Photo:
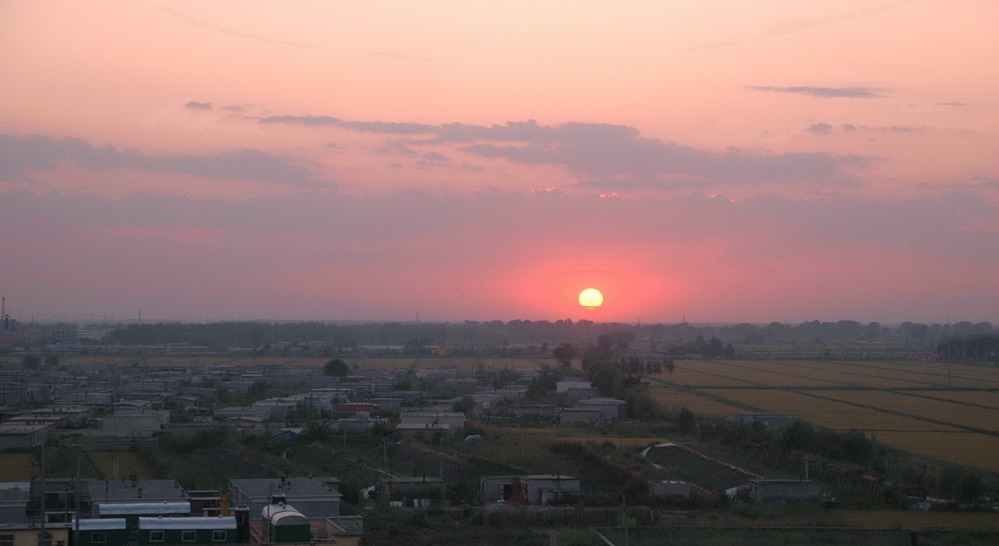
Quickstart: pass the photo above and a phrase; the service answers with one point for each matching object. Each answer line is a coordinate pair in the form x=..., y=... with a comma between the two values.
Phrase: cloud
x=605, y=157
x=601, y=151
x=987, y=182
x=227, y=31
x=820, y=128
x=436, y=157
x=380, y=127
x=19, y=154
x=952, y=103
x=826, y=92
x=194, y=105
x=400, y=56
x=827, y=129
x=792, y=26
x=638, y=184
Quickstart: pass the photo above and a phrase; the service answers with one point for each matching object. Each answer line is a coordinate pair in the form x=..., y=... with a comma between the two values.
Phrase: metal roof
x=277, y=512
x=221, y=522
x=149, y=508
x=107, y=524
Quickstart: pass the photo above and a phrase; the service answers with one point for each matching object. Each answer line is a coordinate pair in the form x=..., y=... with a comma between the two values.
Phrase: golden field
x=950, y=412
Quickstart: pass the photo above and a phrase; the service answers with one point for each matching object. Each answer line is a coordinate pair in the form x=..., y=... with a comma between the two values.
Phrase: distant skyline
x=723, y=161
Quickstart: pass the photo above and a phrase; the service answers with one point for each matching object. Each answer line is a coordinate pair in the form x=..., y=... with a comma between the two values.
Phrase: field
x=945, y=411
x=16, y=467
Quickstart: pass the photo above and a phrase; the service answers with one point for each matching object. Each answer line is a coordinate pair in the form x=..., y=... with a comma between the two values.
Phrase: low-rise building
x=313, y=497
x=784, y=490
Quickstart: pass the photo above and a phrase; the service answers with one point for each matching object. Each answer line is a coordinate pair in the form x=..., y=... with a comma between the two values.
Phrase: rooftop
x=293, y=488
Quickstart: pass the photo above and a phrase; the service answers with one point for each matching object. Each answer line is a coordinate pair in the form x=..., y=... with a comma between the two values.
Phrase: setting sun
x=591, y=298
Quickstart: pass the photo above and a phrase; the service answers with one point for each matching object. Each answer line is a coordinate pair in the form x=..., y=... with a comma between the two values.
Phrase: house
x=412, y=492
x=568, y=416
x=543, y=489
x=132, y=491
x=565, y=385
x=576, y=389
x=313, y=497
x=281, y=522
x=670, y=488
x=133, y=512
x=254, y=412
x=611, y=409
x=14, y=435
x=496, y=488
x=192, y=530
x=13, y=501
x=411, y=431
x=360, y=422
x=768, y=420
x=449, y=421
x=784, y=490
x=94, y=532
x=136, y=420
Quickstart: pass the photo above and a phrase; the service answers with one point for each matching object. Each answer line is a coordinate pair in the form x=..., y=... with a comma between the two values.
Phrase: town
x=175, y=443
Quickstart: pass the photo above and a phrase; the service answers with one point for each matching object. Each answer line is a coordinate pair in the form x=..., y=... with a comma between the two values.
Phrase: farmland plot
x=950, y=412
x=673, y=399
x=827, y=413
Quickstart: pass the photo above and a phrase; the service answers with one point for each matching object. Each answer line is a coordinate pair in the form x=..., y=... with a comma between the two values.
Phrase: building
x=451, y=422
x=137, y=421
x=611, y=409
x=780, y=490
x=22, y=435
x=535, y=489
x=670, y=488
x=411, y=491
x=768, y=420
x=193, y=530
x=313, y=497
x=568, y=416
x=283, y=523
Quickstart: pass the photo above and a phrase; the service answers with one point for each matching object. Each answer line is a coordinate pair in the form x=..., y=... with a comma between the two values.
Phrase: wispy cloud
x=397, y=55
x=820, y=129
x=225, y=30
x=828, y=129
x=20, y=154
x=797, y=25
x=826, y=92
x=600, y=151
x=195, y=105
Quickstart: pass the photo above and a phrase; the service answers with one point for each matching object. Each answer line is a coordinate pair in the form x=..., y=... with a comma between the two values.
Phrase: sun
x=591, y=298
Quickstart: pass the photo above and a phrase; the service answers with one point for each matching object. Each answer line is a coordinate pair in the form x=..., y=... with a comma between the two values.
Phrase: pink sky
x=719, y=161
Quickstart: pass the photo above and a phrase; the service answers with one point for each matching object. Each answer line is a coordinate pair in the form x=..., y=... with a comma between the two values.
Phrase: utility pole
x=624, y=504
x=76, y=496
x=43, y=539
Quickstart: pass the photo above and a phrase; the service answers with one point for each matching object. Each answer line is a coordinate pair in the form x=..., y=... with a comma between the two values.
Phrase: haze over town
x=716, y=162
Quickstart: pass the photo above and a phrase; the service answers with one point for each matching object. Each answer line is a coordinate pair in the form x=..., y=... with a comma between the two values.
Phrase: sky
x=720, y=161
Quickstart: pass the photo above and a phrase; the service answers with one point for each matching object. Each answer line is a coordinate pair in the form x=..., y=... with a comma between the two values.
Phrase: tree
x=564, y=353
x=51, y=361
x=31, y=361
x=686, y=422
x=855, y=447
x=465, y=405
x=670, y=366
x=715, y=348
x=336, y=368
